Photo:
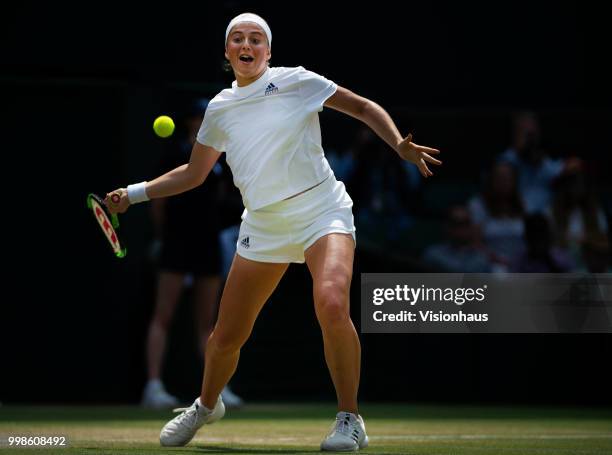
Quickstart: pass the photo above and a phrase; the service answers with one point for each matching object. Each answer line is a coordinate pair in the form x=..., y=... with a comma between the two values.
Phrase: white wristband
x=137, y=193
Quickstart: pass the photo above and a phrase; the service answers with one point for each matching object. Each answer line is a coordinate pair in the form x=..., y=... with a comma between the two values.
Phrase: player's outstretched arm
x=382, y=124
x=179, y=180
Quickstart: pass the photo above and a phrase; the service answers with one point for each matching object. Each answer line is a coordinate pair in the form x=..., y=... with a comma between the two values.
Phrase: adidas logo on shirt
x=245, y=243
x=271, y=89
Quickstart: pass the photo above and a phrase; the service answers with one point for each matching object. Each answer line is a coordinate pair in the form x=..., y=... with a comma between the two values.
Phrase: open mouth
x=246, y=58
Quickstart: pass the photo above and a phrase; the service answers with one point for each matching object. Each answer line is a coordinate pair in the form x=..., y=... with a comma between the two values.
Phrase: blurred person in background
x=463, y=251
x=577, y=214
x=536, y=170
x=541, y=255
x=230, y=212
x=498, y=213
x=184, y=226
x=386, y=194
x=342, y=160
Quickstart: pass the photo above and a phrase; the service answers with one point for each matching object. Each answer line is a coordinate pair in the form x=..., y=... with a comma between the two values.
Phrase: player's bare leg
x=248, y=287
x=206, y=297
x=330, y=260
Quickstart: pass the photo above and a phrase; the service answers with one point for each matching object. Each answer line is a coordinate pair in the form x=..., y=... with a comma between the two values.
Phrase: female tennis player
x=295, y=211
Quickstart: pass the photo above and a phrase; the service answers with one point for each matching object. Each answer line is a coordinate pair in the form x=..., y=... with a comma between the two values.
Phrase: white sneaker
x=230, y=399
x=348, y=434
x=156, y=397
x=180, y=430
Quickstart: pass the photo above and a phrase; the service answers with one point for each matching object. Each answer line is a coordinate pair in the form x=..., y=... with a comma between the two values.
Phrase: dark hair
x=227, y=67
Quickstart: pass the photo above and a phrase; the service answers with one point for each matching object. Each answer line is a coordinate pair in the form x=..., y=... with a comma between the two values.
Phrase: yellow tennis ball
x=163, y=126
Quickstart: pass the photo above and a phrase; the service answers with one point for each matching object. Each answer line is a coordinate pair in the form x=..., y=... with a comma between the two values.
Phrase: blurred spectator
x=577, y=214
x=541, y=255
x=187, y=230
x=360, y=152
x=384, y=193
x=462, y=252
x=498, y=212
x=230, y=211
x=536, y=170
x=342, y=161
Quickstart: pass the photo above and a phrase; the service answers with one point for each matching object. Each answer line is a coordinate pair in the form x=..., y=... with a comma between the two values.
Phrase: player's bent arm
x=187, y=176
x=177, y=181
x=368, y=112
x=381, y=123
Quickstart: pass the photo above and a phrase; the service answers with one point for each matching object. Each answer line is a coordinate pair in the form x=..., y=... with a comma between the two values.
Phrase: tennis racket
x=109, y=223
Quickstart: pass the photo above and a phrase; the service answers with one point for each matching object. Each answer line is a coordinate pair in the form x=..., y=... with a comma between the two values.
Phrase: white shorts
x=282, y=231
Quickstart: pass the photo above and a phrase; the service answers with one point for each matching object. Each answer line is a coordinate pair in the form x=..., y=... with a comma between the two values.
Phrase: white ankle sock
x=203, y=410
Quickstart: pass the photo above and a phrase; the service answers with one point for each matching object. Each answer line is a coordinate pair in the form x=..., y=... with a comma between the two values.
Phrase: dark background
x=80, y=86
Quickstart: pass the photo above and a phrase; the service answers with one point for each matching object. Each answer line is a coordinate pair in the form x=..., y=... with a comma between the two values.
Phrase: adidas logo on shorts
x=245, y=242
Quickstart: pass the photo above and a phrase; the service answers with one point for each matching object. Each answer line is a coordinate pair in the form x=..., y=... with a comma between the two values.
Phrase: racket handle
x=115, y=199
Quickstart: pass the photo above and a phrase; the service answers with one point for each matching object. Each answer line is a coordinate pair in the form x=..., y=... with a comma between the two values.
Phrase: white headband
x=250, y=17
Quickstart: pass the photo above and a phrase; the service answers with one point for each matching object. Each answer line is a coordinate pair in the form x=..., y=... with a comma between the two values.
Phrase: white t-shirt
x=271, y=134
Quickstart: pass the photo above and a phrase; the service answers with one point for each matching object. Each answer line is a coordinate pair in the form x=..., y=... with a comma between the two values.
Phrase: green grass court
x=299, y=428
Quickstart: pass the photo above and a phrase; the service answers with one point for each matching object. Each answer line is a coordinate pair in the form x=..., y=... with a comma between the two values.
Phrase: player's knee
x=332, y=304
x=225, y=342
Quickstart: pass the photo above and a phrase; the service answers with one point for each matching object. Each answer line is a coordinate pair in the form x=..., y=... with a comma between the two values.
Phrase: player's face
x=247, y=51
